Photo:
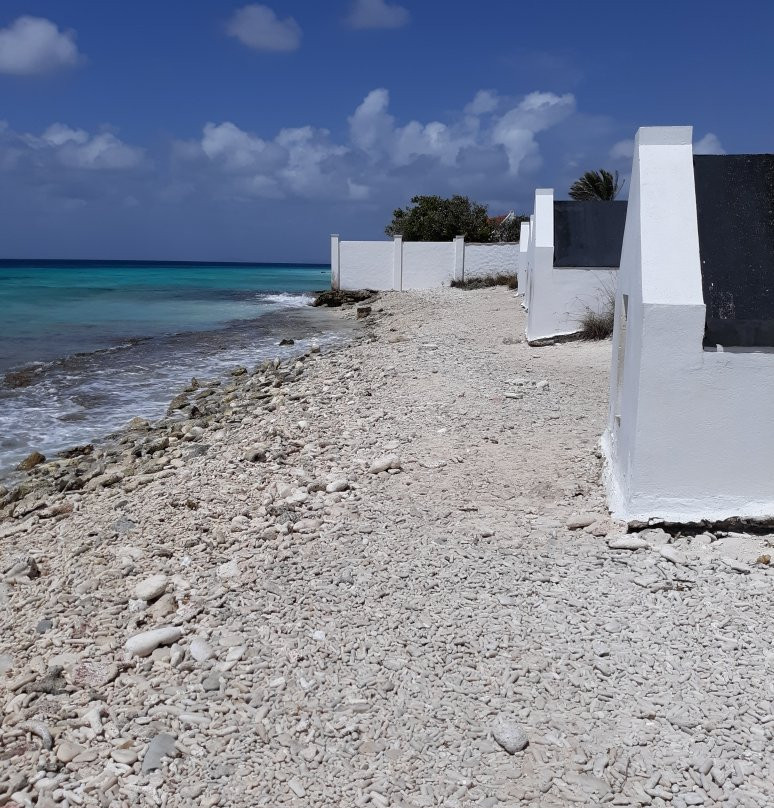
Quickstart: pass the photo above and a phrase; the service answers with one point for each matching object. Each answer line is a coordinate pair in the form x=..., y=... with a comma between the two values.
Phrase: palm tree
x=601, y=185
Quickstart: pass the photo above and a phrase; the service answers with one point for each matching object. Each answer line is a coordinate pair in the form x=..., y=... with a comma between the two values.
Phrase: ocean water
x=86, y=346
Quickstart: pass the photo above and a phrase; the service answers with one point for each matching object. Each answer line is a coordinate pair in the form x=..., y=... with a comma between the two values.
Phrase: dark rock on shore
x=21, y=378
x=76, y=451
x=177, y=403
x=32, y=460
x=287, y=341
x=337, y=297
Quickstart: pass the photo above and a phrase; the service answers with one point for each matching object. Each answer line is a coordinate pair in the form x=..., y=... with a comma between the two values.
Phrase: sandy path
x=365, y=643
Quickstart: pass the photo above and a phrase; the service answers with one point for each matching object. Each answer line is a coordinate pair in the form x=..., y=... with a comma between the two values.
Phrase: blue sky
x=220, y=130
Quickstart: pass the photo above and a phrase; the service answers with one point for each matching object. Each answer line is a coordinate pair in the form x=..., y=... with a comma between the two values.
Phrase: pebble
x=142, y=644
x=735, y=565
x=68, y=751
x=629, y=542
x=6, y=663
x=200, y=649
x=151, y=588
x=161, y=746
x=582, y=520
x=211, y=682
x=336, y=486
x=671, y=554
x=297, y=787
x=509, y=735
x=230, y=569
x=127, y=757
x=385, y=463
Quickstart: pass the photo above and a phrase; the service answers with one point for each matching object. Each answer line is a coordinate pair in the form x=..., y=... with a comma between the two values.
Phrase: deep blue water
x=100, y=342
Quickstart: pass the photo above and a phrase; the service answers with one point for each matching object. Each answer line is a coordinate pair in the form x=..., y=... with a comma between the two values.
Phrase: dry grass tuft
x=597, y=325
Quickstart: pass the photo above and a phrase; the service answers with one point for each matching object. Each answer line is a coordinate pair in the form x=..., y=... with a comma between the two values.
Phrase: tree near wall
x=599, y=185
x=433, y=218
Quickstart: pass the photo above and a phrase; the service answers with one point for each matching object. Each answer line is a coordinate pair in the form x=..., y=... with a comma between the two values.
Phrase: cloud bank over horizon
x=494, y=148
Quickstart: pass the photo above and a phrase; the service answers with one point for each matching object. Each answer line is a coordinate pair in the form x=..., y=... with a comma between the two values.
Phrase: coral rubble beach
x=377, y=575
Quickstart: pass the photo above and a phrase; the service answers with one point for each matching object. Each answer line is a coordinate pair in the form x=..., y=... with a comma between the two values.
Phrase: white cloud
x=484, y=101
x=516, y=129
x=296, y=162
x=488, y=149
x=373, y=131
x=709, y=144
x=309, y=151
x=304, y=162
x=238, y=150
x=102, y=151
x=33, y=45
x=60, y=145
x=377, y=14
x=258, y=27
x=58, y=134
x=623, y=150
x=370, y=126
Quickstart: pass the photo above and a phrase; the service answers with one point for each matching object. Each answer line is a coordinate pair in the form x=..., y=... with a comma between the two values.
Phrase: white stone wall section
x=690, y=434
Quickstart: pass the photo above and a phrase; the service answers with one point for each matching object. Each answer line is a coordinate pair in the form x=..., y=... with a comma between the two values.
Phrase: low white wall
x=491, y=259
x=402, y=265
x=428, y=264
x=366, y=264
x=558, y=297
x=690, y=434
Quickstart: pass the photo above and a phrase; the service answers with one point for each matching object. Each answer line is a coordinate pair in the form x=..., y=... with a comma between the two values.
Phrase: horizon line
x=169, y=262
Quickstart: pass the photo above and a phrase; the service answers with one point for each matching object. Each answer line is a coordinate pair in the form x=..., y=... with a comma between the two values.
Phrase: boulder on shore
x=32, y=460
x=340, y=297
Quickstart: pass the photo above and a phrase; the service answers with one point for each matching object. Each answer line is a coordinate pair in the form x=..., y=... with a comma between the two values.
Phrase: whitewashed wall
x=427, y=264
x=690, y=434
x=365, y=264
x=491, y=259
x=399, y=264
x=558, y=297
x=521, y=271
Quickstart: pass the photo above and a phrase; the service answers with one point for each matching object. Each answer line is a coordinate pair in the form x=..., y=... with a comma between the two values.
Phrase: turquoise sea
x=85, y=346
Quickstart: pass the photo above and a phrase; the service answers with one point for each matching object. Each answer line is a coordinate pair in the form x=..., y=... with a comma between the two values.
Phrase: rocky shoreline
x=146, y=451
x=378, y=575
